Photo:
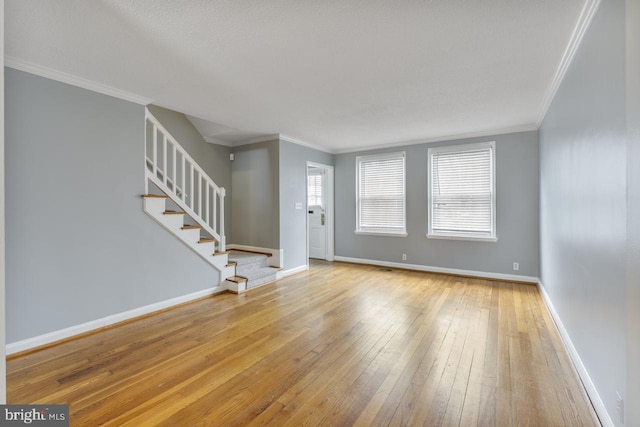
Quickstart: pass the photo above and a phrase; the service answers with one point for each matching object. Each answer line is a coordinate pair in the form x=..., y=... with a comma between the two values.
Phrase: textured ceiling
x=338, y=74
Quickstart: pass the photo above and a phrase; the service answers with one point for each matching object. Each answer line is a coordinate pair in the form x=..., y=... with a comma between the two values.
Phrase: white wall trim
x=60, y=76
x=61, y=334
x=588, y=384
x=429, y=269
x=442, y=138
x=584, y=20
x=275, y=260
x=214, y=140
x=257, y=139
x=279, y=136
x=291, y=271
x=307, y=144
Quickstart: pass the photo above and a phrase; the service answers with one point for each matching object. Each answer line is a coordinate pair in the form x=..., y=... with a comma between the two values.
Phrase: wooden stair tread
x=267, y=254
x=174, y=213
x=219, y=253
x=237, y=279
x=190, y=227
x=231, y=264
x=206, y=241
x=155, y=196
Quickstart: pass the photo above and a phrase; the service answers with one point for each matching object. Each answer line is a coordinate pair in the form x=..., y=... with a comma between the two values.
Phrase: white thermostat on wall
x=298, y=205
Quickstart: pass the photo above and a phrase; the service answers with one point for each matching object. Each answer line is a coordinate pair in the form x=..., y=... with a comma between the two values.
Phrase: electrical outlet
x=620, y=407
x=516, y=266
x=404, y=257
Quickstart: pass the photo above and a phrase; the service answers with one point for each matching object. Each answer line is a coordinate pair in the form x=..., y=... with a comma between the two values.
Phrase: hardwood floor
x=341, y=345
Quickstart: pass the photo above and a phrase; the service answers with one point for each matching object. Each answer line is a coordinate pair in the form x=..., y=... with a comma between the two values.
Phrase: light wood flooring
x=340, y=345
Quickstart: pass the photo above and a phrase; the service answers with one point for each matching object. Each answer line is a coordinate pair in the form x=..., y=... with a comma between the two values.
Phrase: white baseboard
x=285, y=273
x=455, y=271
x=61, y=334
x=589, y=386
x=277, y=255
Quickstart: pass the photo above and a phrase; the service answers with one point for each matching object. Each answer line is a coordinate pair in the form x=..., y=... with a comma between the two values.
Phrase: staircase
x=191, y=206
x=155, y=205
x=239, y=270
x=252, y=267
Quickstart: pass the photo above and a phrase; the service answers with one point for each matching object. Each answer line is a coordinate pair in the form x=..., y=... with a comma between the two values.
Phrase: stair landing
x=253, y=266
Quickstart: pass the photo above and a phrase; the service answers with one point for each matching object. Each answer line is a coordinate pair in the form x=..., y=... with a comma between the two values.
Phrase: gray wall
x=255, y=195
x=213, y=159
x=583, y=202
x=633, y=210
x=293, y=189
x=516, y=210
x=79, y=246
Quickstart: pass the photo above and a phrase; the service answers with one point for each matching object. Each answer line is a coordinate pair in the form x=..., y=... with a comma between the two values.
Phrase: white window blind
x=314, y=190
x=381, y=194
x=462, y=191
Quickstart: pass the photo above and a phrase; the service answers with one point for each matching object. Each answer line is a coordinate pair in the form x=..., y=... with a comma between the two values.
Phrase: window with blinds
x=462, y=191
x=380, y=193
x=314, y=190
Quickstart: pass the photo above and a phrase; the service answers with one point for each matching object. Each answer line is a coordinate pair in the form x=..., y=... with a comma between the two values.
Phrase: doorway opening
x=320, y=212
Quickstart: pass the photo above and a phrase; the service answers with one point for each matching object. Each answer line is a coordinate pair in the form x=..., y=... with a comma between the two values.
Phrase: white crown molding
x=212, y=140
x=503, y=131
x=584, y=20
x=305, y=144
x=264, y=138
x=587, y=382
x=444, y=270
x=60, y=76
x=283, y=137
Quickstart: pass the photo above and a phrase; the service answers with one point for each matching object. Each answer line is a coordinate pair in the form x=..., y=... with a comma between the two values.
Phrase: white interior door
x=316, y=181
x=317, y=233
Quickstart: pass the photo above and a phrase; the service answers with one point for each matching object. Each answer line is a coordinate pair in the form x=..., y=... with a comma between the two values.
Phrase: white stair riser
x=172, y=221
x=220, y=262
x=235, y=287
x=205, y=249
x=191, y=234
x=229, y=271
x=154, y=205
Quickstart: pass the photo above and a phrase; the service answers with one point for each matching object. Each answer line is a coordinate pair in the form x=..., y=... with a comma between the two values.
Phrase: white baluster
x=184, y=179
x=164, y=160
x=199, y=195
x=155, y=151
x=207, y=199
x=191, y=190
x=174, y=174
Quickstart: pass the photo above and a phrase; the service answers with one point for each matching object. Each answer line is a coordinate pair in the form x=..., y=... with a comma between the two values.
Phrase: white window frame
x=488, y=237
x=319, y=175
x=382, y=231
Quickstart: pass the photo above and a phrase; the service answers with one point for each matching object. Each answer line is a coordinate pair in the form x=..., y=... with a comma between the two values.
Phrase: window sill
x=381, y=233
x=462, y=237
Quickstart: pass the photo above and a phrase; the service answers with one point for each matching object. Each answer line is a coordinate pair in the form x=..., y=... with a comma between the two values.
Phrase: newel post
x=222, y=236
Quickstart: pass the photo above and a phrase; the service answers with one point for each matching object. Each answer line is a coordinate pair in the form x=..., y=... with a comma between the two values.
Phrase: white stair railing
x=173, y=170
